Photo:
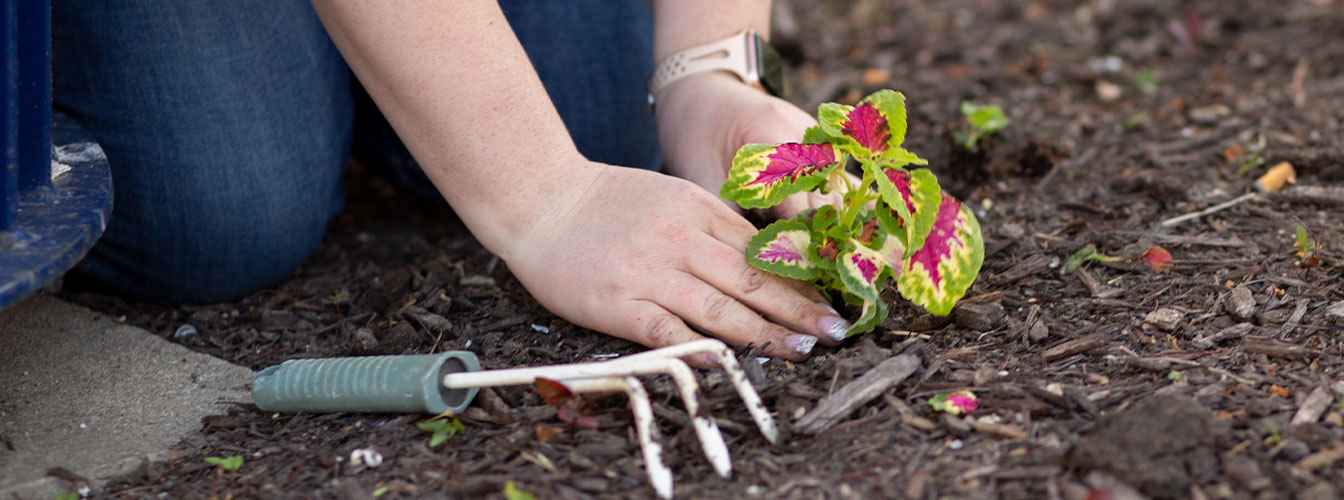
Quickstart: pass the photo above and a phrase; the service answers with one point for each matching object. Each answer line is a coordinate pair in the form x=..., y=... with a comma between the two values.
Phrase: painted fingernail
x=835, y=327
x=801, y=344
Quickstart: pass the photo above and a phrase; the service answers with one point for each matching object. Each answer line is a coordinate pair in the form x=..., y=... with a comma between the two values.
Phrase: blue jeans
x=228, y=126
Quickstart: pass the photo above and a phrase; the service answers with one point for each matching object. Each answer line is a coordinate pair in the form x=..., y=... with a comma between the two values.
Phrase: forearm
x=459, y=90
x=681, y=24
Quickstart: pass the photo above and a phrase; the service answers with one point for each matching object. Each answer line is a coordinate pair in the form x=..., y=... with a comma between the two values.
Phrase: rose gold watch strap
x=732, y=54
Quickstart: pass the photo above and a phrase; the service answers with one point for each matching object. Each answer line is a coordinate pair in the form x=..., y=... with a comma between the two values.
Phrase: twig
x=855, y=394
x=1216, y=208
x=1075, y=346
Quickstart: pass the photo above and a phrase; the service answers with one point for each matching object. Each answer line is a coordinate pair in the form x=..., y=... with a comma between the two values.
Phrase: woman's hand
x=657, y=260
x=704, y=119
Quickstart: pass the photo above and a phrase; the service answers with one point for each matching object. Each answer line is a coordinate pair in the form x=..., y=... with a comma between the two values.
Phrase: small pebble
x=365, y=341
x=1293, y=450
x=541, y=328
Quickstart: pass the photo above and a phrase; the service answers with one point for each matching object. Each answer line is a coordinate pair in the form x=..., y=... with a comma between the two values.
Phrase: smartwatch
x=746, y=54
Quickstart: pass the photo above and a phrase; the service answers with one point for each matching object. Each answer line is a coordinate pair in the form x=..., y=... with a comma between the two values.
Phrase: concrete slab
x=81, y=392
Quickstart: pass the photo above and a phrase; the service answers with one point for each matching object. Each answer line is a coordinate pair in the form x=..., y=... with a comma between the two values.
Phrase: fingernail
x=801, y=344
x=835, y=327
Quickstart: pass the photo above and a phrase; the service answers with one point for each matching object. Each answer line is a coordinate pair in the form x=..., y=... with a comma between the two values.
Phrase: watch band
x=735, y=54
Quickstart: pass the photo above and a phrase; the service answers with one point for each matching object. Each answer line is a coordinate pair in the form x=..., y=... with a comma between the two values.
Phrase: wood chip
x=1002, y=430
x=1031, y=265
x=1328, y=196
x=1165, y=318
x=1336, y=310
x=1274, y=349
x=857, y=393
x=918, y=422
x=1075, y=346
x=1232, y=332
x=1313, y=407
x=1323, y=458
x=978, y=317
x=1240, y=303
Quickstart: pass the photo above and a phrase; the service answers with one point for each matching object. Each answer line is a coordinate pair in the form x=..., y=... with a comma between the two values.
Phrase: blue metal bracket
x=55, y=189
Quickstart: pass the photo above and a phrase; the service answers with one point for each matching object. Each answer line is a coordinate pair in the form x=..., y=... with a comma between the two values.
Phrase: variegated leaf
x=911, y=199
x=764, y=174
x=874, y=129
x=873, y=314
x=937, y=274
x=781, y=248
x=893, y=252
x=860, y=269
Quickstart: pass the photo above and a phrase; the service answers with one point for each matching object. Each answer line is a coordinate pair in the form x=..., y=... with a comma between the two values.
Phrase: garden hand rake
x=446, y=382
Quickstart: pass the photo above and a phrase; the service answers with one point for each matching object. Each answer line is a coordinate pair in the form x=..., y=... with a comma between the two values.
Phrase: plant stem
x=855, y=199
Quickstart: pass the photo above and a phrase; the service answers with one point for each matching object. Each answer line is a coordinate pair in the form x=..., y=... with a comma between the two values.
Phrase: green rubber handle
x=380, y=384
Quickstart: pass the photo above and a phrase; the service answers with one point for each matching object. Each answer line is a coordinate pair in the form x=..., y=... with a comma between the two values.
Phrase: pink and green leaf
x=938, y=273
x=893, y=251
x=914, y=197
x=860, y=270
x=782, y=248
x=873, y=314
x=875, y=128
x=957, y=403
x=764, y=174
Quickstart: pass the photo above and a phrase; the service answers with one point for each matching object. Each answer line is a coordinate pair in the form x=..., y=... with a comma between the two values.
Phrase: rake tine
x=659, y=475
x=736, y=375
x=711, y=440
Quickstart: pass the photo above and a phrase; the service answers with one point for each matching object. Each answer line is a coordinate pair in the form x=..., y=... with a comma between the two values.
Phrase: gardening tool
x=435, y=383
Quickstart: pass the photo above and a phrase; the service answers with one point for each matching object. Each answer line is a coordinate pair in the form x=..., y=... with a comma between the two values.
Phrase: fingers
x=805, y=311
x=652, y=325
x=724, y=317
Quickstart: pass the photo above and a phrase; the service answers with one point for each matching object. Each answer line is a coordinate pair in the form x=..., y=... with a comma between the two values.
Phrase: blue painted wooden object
x=47, y=222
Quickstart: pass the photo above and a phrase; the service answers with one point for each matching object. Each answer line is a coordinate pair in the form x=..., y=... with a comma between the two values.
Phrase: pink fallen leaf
x=957, y=403
x=552, y=392
x=1158, y=259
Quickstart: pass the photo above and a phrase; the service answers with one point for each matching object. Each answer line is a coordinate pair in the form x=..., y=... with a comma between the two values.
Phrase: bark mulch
x=1218, y=378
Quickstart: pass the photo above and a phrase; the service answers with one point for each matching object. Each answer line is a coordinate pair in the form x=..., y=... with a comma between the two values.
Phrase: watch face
x=769, y=66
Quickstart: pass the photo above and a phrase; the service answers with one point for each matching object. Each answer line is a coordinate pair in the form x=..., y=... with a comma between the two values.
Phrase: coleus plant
x=896, y=222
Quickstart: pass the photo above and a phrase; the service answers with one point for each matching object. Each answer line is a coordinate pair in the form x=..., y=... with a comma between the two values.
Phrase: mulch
x=1218, y=378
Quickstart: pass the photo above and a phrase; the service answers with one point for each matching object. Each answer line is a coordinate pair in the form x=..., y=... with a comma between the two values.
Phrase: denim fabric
x=227, y=126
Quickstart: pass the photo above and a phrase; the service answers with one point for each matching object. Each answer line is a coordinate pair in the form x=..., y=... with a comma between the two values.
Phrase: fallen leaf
x=546, y=432
x=955, y=403
x=1158, y=259
x=1281, y=392
x=552, y=392
x=873, y=77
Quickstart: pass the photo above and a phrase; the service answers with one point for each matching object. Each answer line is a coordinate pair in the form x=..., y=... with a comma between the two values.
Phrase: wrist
x=521, y=195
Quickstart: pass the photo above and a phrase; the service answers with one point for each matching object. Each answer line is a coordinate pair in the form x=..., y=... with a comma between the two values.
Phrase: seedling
x=442, y=429
x=1147, y=81
x=985, y=120
x=230, y=464
x=1084, y=255
x=1306, y=250
x=512, y=492
x=916, y=233
x=1248, y=157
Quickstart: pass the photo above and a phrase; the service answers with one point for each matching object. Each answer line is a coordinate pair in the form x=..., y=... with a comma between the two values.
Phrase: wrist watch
x=746, y=54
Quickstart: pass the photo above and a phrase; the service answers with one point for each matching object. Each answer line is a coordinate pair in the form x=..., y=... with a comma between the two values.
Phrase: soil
x=1201, y=381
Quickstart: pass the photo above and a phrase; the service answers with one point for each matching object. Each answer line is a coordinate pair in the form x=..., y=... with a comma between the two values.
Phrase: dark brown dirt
x=1152, y=396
